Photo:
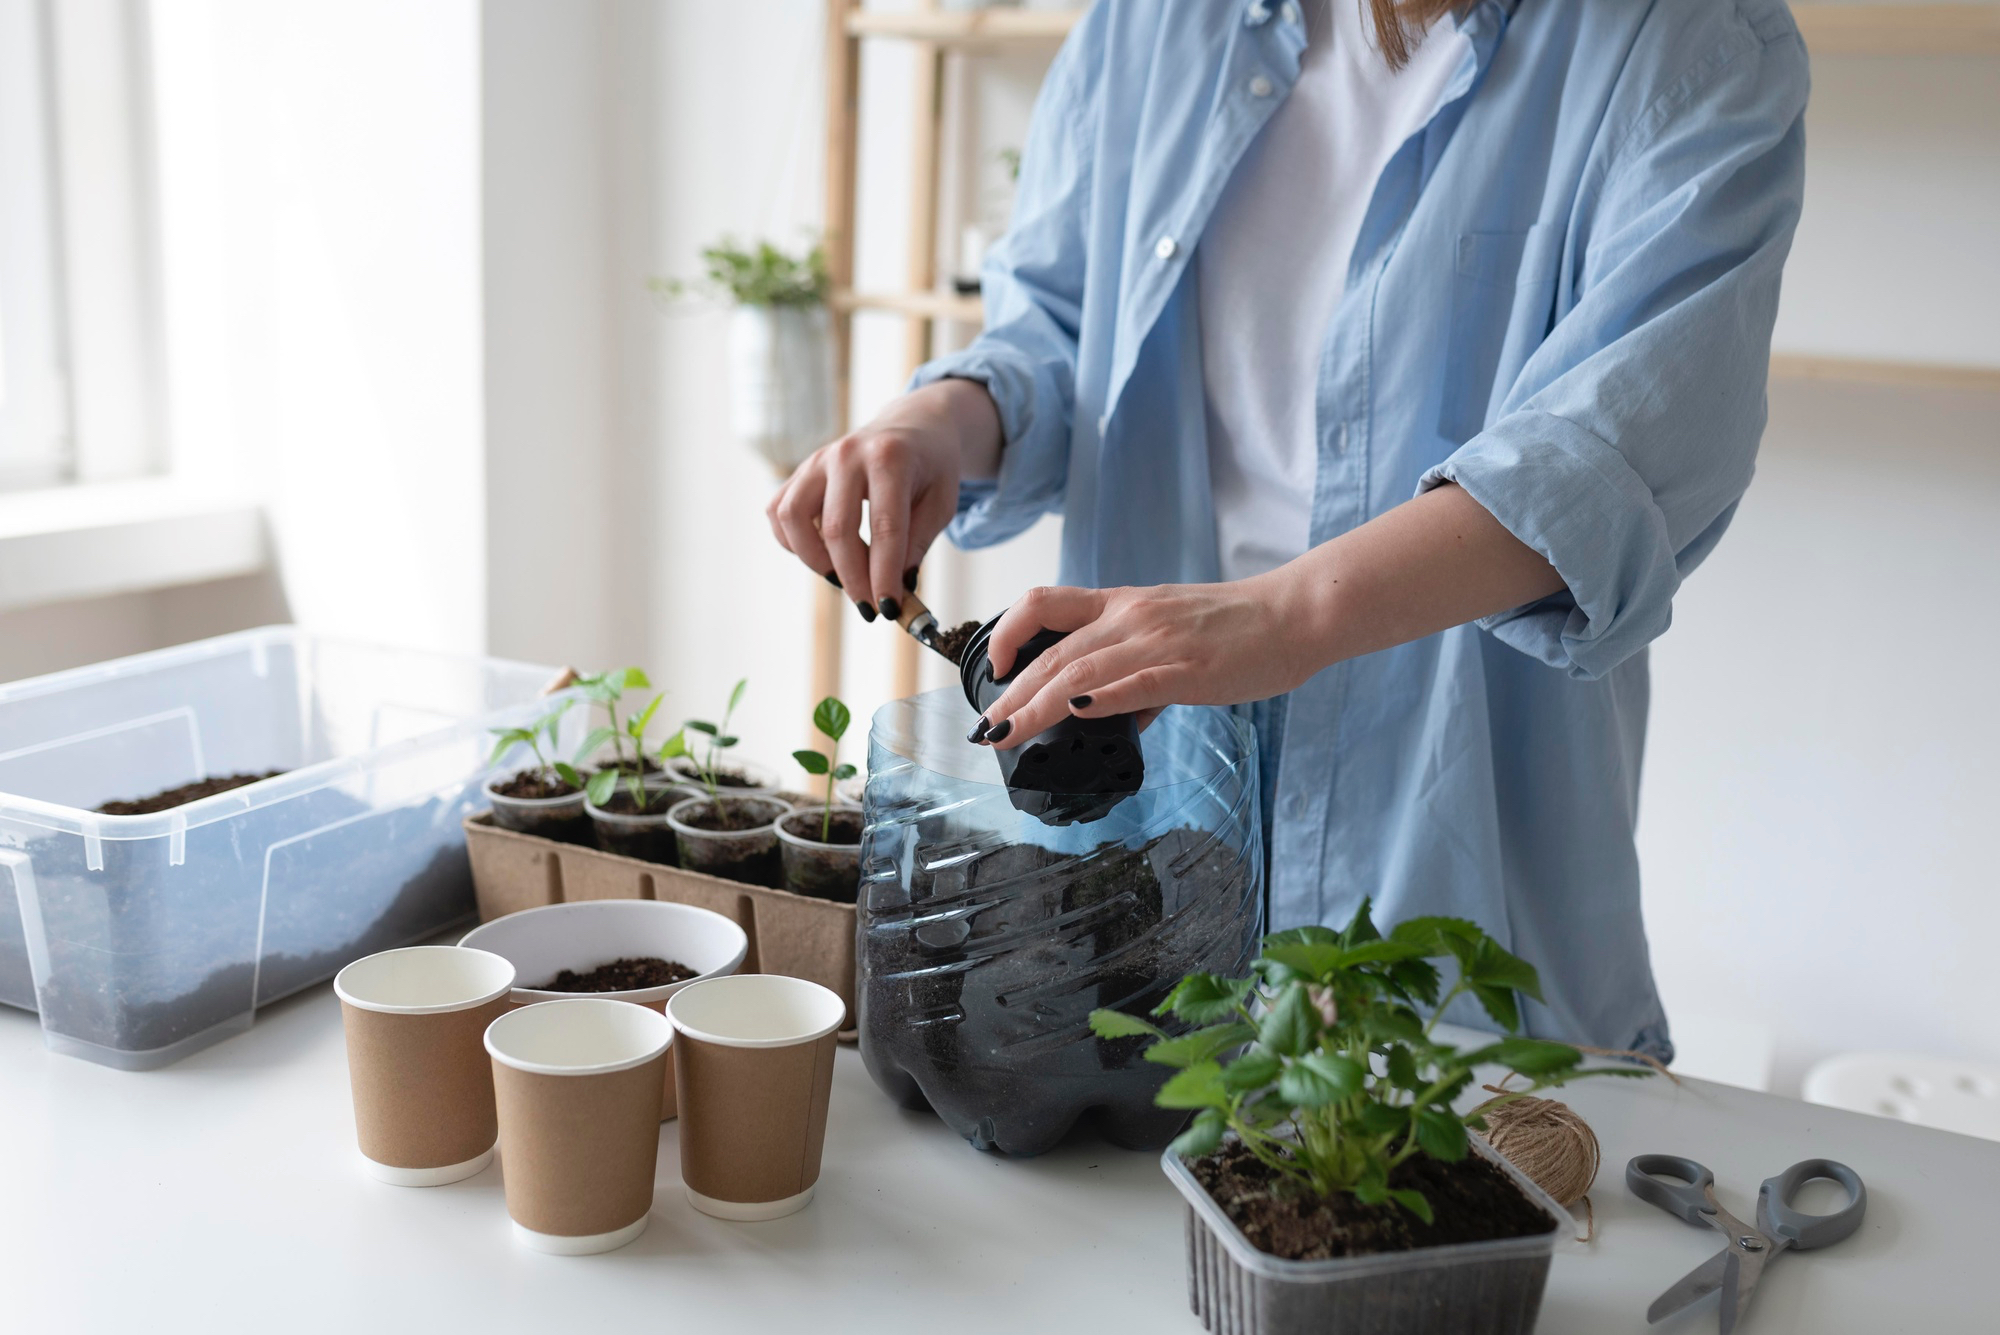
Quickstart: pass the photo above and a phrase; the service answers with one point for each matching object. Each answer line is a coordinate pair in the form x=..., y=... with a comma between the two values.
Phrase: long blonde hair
x=1399, y=22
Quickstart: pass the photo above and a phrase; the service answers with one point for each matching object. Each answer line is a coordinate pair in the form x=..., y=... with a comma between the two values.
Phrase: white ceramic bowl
x=542, y=942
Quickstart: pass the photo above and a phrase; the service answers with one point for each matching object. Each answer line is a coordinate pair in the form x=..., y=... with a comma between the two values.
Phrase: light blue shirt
x=1561, y=299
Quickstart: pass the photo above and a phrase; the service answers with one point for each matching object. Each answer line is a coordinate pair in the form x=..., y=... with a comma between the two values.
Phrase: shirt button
x=1166, y=248
x=1260, y=87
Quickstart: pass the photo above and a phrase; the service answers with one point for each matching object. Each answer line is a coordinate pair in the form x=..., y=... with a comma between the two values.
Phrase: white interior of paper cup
x=581, y=936
x=424, y=980
x=578, y=1036
x=756, y=1010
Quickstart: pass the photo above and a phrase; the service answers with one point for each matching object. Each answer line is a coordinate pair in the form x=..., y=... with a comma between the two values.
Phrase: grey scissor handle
x=1686, y=1199
x=1777, y=1218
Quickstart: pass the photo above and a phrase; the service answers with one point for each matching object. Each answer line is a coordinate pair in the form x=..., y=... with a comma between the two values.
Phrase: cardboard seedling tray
x=789, y=934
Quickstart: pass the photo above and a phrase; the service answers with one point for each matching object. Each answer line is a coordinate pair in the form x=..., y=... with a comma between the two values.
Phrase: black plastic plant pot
x=622, y=828
x=1076, y=770
x=1471, y=1288
x=560, y=818
x=824, y=870
x=742, y=846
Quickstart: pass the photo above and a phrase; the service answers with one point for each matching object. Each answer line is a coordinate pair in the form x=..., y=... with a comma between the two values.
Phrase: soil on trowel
x=1472, y=1200
x=951, y=643
x=186, y=793
x=531, y=785
x=626, y=975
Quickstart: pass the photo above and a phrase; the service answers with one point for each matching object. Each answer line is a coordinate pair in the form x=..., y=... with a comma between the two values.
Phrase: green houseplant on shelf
x=1325, y=1138
x=780, y=344
x=822, y=844
x=728, y=829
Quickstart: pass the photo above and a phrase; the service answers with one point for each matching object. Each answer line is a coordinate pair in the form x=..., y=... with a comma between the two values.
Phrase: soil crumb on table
x=951, y=643
x=627, y=975
x=186, y=793
x=1472, y=1201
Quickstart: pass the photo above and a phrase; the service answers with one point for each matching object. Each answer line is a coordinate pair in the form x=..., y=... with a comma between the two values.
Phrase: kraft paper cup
x=423, y=1091
x=578, y=1083
x=581, y=936
x=754, y=1059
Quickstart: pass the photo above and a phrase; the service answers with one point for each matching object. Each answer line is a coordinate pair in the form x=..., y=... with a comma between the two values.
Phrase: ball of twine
x=1547, y=1141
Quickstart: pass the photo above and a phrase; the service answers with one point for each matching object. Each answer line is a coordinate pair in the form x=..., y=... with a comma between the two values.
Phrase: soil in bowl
x=186, y=793
x=825, y=868
x=1472, y=1200
x=951, y=643
x=651, y=840
x=626, y=975
x=747, y=850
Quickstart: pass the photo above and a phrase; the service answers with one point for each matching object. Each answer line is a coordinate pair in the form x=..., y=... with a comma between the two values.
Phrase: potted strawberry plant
x=821, y=846
x=547, y=797
x=1330, y=1181
x=732, y=835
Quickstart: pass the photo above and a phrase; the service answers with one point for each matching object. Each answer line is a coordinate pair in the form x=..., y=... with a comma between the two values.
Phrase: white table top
x=223, y=1194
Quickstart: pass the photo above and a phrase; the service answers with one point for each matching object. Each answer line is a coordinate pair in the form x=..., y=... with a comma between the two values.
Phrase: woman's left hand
x=1137, y=650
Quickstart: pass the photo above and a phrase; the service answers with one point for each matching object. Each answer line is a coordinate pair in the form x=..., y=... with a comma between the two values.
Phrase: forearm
x=1432, y=563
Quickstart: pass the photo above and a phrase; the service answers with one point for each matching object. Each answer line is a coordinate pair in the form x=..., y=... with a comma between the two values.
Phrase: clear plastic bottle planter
x=987, y=936
x=749, y=855
x=1471, y=1288
x=551, y=817
x=140, y=939
x=822, y=870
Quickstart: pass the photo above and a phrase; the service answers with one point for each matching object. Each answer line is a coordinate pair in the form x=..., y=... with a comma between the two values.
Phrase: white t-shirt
x=1273, y=262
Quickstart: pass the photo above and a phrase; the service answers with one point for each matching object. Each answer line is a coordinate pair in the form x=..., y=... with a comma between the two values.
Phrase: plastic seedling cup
x=639, y=834
x=543, y=942
x=754, y=1058
x=1471, y=1288
x=423, y=1092
x=748, y=854
x=734, y=778
x=812, y=867
x=577, y=1086
x=550, y=817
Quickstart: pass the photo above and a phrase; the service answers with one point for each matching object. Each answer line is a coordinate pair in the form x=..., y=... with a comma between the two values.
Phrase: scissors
x=1740, y=1264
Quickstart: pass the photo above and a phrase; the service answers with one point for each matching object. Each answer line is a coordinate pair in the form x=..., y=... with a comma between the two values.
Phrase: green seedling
x=608, y=690
x=532, y=737
x=720, y=739
x=1336, y=1078
x=830, y=717
x=758, y=275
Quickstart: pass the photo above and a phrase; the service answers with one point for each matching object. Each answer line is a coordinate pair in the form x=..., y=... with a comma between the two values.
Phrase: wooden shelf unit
x=1860, y=371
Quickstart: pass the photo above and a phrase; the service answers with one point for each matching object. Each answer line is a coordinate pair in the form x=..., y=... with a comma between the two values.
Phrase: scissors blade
x=1696, y=1284
x=1740, y=1281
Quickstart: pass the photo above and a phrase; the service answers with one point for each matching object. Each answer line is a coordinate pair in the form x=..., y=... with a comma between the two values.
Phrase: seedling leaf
x=812, y=762
x=1117, y=1024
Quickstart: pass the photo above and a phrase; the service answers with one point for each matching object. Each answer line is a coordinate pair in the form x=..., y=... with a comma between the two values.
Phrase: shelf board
x=923, y=305
x=1858, y=371
x=1829, y=29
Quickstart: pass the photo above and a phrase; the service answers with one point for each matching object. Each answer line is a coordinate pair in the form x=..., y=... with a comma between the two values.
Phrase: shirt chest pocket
x=1503, y=293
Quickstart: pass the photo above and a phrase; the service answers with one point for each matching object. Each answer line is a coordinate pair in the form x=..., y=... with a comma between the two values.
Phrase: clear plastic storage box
x=140, y=939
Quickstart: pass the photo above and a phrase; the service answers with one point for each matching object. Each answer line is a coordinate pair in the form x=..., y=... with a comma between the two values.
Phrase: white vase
x=781, y=381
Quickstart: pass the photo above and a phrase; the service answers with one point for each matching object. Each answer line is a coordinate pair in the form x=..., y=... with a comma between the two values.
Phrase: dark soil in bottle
x=1472, y=1200
x=532, y=785
x=186, y=793
x=951, y=643
x=833, y=872
x=651, y=842
x=979, y=974
x=626, y=975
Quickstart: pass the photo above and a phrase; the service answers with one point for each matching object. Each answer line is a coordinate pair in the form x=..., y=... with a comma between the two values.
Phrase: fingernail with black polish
x=833, y=579
x=1079, y=702
x=978, y=733
x=910, y=579
x=891, y=608
x=867, y=612
x=999, y=731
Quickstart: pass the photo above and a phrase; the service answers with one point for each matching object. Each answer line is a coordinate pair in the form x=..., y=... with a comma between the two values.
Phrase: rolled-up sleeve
x=1032, y=284
x=1623, y=447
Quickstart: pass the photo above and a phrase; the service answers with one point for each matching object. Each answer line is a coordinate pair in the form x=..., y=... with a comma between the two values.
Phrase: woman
x=1391, y=370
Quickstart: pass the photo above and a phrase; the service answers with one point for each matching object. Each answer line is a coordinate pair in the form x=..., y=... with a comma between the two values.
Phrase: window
x=34, y=398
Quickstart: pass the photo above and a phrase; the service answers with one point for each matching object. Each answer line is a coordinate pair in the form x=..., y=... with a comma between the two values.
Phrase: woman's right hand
x=905, y=467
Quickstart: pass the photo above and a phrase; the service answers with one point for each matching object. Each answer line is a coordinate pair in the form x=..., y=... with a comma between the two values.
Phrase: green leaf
x=601, y=786
x=699, y=726
x=1303, y=936
x=844, y=771
x=1494, y=967
x=1371, y=1188
x=831, y=717
x=1379, y=1119
x=812, y=762
x=1200, y=1046
x=1361, y=927
x=567, y=773
x=1414, y=1202
x=1203, y=998
x=674, y=747
x=1417, y=979
x=1203, y=1135
x=593, y=740
x=632, y=679
x=1392, y=1024
x=1535, y=1056
x=509, y=738
x=1320, y=1078
x=1199, y=1086
x=1500, y=1004
x=736, y=694
x=1253, y=1070
x=1312, y=960
x=1116, y=1024
x=1291, y=1027
x=1441, y=1135
x=1402, y=1068
x=636, y=725
x=724, y=743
